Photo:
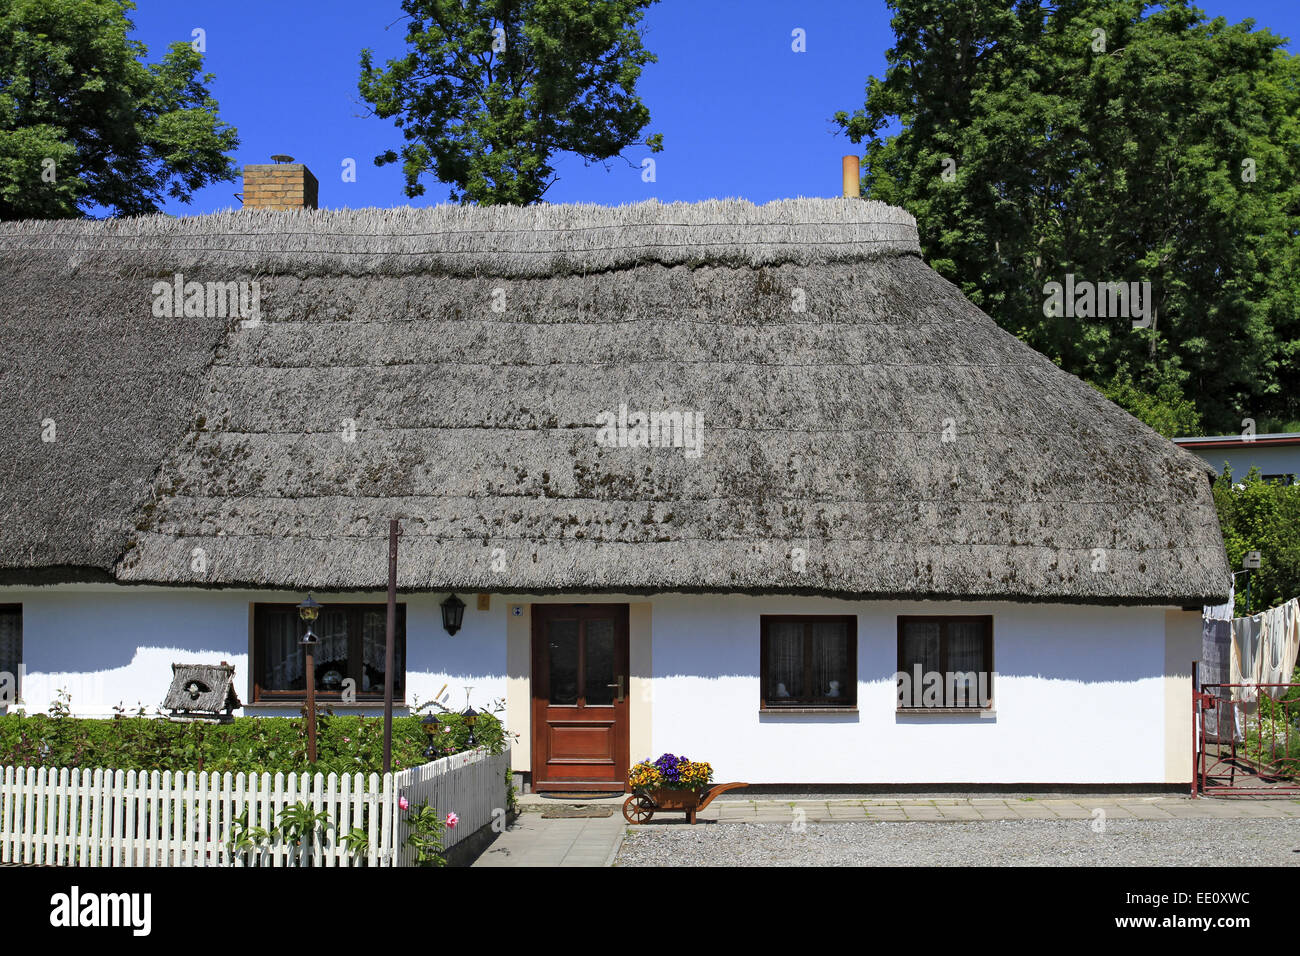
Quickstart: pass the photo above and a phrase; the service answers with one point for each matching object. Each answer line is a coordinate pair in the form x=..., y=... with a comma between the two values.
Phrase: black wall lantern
x=453, y=613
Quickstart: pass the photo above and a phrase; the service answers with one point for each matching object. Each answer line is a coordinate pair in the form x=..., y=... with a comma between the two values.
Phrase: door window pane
x=562, y=641
x=600, y=663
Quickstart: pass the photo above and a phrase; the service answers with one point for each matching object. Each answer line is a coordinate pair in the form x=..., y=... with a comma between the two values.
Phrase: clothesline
x=1250, y=653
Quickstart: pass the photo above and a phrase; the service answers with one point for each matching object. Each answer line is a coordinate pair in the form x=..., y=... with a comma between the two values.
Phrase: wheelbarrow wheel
x=638, y=808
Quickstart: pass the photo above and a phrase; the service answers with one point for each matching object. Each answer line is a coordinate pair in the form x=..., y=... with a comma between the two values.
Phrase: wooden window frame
x=943, y=620
x=265, y=696
x=18, y=675
x=845, y=704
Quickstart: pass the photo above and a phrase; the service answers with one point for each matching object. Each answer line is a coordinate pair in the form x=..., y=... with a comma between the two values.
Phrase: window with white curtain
x=11, y=652
x=350, y=646
x=945, y=662
x=809, y=661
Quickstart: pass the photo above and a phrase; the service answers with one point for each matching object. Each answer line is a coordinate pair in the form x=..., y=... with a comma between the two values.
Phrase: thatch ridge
x=504, y=241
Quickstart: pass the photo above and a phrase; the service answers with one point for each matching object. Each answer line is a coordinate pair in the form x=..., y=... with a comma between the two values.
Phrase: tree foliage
x=345, y=743
x=1163, y=407
x=490, y=90
x=1258, y=515
x=86, y=124
x=1121, y=141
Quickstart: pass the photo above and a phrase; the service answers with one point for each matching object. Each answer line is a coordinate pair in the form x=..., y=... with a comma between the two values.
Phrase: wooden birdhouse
x=202, y=692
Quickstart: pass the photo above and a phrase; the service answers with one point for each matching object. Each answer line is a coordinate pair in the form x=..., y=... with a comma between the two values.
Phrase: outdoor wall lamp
x=453, y=613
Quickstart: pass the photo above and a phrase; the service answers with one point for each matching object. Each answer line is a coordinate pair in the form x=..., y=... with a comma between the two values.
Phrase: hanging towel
x=1216, y=669
x=1216, y=627
x=1264, y=652
x=1245, y=654
x=1246, y=634
x=1278, y=646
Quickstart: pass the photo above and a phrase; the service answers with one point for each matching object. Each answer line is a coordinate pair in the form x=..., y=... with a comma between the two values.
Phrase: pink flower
x=403, y=803
x=452, y=819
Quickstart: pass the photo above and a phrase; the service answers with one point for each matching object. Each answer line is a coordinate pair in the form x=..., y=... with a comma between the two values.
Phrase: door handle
x=619, y=685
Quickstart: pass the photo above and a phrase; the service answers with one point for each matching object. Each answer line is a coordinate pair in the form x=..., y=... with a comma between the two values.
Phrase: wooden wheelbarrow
x=644, y=804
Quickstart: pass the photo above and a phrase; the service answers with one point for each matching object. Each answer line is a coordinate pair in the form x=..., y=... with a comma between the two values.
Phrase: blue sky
x=741, y=113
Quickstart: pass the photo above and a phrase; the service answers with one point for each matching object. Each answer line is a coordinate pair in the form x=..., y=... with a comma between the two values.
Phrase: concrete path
x=532, y=841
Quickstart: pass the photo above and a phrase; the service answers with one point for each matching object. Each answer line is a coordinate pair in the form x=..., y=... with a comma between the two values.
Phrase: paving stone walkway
x=532, y=841
x=978, y=808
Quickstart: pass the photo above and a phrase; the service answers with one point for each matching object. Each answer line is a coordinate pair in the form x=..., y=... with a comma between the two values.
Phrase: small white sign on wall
x=516, y=610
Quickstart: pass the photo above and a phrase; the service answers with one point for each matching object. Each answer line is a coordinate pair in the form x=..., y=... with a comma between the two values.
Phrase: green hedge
x=344, y=744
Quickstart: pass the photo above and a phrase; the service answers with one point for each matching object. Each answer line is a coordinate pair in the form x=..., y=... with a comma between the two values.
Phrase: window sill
x=809, y=710
x=922, y=711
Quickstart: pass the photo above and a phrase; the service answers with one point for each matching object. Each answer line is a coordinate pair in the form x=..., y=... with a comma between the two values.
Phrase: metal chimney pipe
x=852, y=178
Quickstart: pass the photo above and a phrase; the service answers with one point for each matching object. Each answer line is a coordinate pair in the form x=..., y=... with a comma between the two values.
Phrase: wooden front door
x=580, y=711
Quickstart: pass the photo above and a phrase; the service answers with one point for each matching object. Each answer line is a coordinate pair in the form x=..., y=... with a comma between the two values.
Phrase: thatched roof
x=201, y=690
x=830, y=365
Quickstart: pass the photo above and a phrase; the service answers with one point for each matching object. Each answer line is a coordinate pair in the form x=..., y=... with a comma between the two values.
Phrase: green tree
x=491, y=90
x=1164, y=407
x=86, y=124
x=1121, y=141
x=1258, y=515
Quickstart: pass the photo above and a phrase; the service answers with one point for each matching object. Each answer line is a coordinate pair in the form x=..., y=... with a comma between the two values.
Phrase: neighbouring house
x=1277, y=456
x=708, y=476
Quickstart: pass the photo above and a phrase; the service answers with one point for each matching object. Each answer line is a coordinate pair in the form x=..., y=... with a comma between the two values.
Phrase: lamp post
x=394, y=531
x=309, y=610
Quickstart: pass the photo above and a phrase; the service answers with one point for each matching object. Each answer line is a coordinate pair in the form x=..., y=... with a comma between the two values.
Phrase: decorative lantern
x=453, y=613
x=432, y=727
x=470, y=716
x=309, y=610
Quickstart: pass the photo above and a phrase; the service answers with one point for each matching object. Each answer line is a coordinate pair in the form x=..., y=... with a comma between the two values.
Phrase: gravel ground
x=1262, y=842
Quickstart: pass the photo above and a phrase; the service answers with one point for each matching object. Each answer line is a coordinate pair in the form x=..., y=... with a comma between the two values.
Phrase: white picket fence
x=472, y=785
x=123, y=818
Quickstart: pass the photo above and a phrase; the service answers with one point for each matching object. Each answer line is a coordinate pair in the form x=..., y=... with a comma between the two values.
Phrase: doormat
x=568, y=813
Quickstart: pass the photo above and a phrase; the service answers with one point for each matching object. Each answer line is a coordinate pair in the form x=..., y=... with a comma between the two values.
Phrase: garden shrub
x=344, y=743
